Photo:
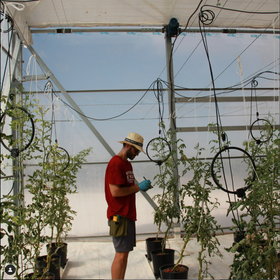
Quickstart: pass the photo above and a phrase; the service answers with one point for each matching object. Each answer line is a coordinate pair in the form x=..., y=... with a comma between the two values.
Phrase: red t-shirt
x=119, y=172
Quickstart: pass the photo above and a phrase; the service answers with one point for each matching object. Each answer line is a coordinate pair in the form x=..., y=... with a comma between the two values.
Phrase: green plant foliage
x=12, y=242
x=197, y=217
x=47, y=217
x=168, y=211
x=257, y=254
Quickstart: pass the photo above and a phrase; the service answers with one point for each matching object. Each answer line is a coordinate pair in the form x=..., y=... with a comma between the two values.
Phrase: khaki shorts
x=124, y=236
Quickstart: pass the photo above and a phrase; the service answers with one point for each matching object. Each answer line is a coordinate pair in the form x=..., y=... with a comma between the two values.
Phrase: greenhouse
x=140, y=139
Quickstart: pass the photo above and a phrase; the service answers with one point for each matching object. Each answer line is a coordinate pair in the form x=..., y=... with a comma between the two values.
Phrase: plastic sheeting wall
x=90, y=205
x=89, y=69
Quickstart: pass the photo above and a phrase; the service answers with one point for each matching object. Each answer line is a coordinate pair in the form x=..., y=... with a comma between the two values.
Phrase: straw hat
x=134, y=140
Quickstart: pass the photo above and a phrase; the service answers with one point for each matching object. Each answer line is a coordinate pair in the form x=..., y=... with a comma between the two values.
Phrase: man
x=120, y=190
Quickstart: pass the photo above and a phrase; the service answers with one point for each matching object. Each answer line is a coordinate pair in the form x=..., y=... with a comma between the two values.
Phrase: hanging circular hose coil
x=21, y=137
x=158, y=150
x=216, y=165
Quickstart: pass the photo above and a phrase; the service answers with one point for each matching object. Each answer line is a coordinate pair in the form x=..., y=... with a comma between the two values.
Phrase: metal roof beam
x=151, y=30
x=164, y=89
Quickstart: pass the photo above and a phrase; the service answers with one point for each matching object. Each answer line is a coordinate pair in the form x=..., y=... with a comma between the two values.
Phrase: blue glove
x=145, y=185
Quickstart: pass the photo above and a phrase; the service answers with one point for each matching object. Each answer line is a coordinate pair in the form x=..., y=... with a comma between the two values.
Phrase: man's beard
x=130, y=154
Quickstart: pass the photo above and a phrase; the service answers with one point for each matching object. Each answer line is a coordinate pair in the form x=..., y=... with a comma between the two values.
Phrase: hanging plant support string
x=55, y=151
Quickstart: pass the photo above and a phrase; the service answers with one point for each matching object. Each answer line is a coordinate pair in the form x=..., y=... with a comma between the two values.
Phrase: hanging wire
x=254, y=84
x=109, y=118
x=54, y=151
x=260, y=140
x=158, y=92
x=158, y=149
x=53, y=122
x=220, y=132
x=196, y=47
x=234, y=10
x=232, y=88
x=171, y=54
x=207, y=17
x=6, y=17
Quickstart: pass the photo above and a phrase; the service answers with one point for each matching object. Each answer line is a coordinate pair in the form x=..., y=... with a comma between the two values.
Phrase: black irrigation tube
x=258, y=140
x=159, y=162
x=241, y=191
x=67, y=162
x=16, y=151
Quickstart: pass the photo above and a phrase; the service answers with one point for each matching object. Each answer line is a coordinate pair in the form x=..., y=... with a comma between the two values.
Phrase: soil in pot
x=169, y=272
x=59, y=249
x=54, y=269
x=154, y=244
x=160, y=258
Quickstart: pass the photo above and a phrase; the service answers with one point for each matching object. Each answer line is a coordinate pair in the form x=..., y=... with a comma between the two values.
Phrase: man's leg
x=119, y=265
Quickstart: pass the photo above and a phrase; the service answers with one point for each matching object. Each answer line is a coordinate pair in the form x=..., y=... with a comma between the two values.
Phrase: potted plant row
x=167, y=212
x=196, y=218
x=47, y=217
x=256, y=255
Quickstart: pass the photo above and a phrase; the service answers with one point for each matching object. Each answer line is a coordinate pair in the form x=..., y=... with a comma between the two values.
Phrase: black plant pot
x=58, y=249
x=161, y=258
x=180, y=272
x=28, y=276
x=54, y=269
x=154, y=244
x=239, y=235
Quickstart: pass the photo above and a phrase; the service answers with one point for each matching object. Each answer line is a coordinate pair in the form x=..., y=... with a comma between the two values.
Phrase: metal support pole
x=9, y=71
x=16, y=98
x=12, y=57
x=172, y=114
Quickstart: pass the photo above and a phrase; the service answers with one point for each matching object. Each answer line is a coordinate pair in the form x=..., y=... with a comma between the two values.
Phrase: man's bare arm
x=118, y=191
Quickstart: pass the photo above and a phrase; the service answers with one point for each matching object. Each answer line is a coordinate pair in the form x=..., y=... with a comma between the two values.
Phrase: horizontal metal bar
x=97, y=30
x=225, y=128
x=226, y=99
x=96, y=162
x=226, y=89
x=151, y=30
x=26, y=165
x=164, y=89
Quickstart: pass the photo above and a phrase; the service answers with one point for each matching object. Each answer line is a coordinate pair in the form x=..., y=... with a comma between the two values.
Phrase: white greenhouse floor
x=92, y=259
